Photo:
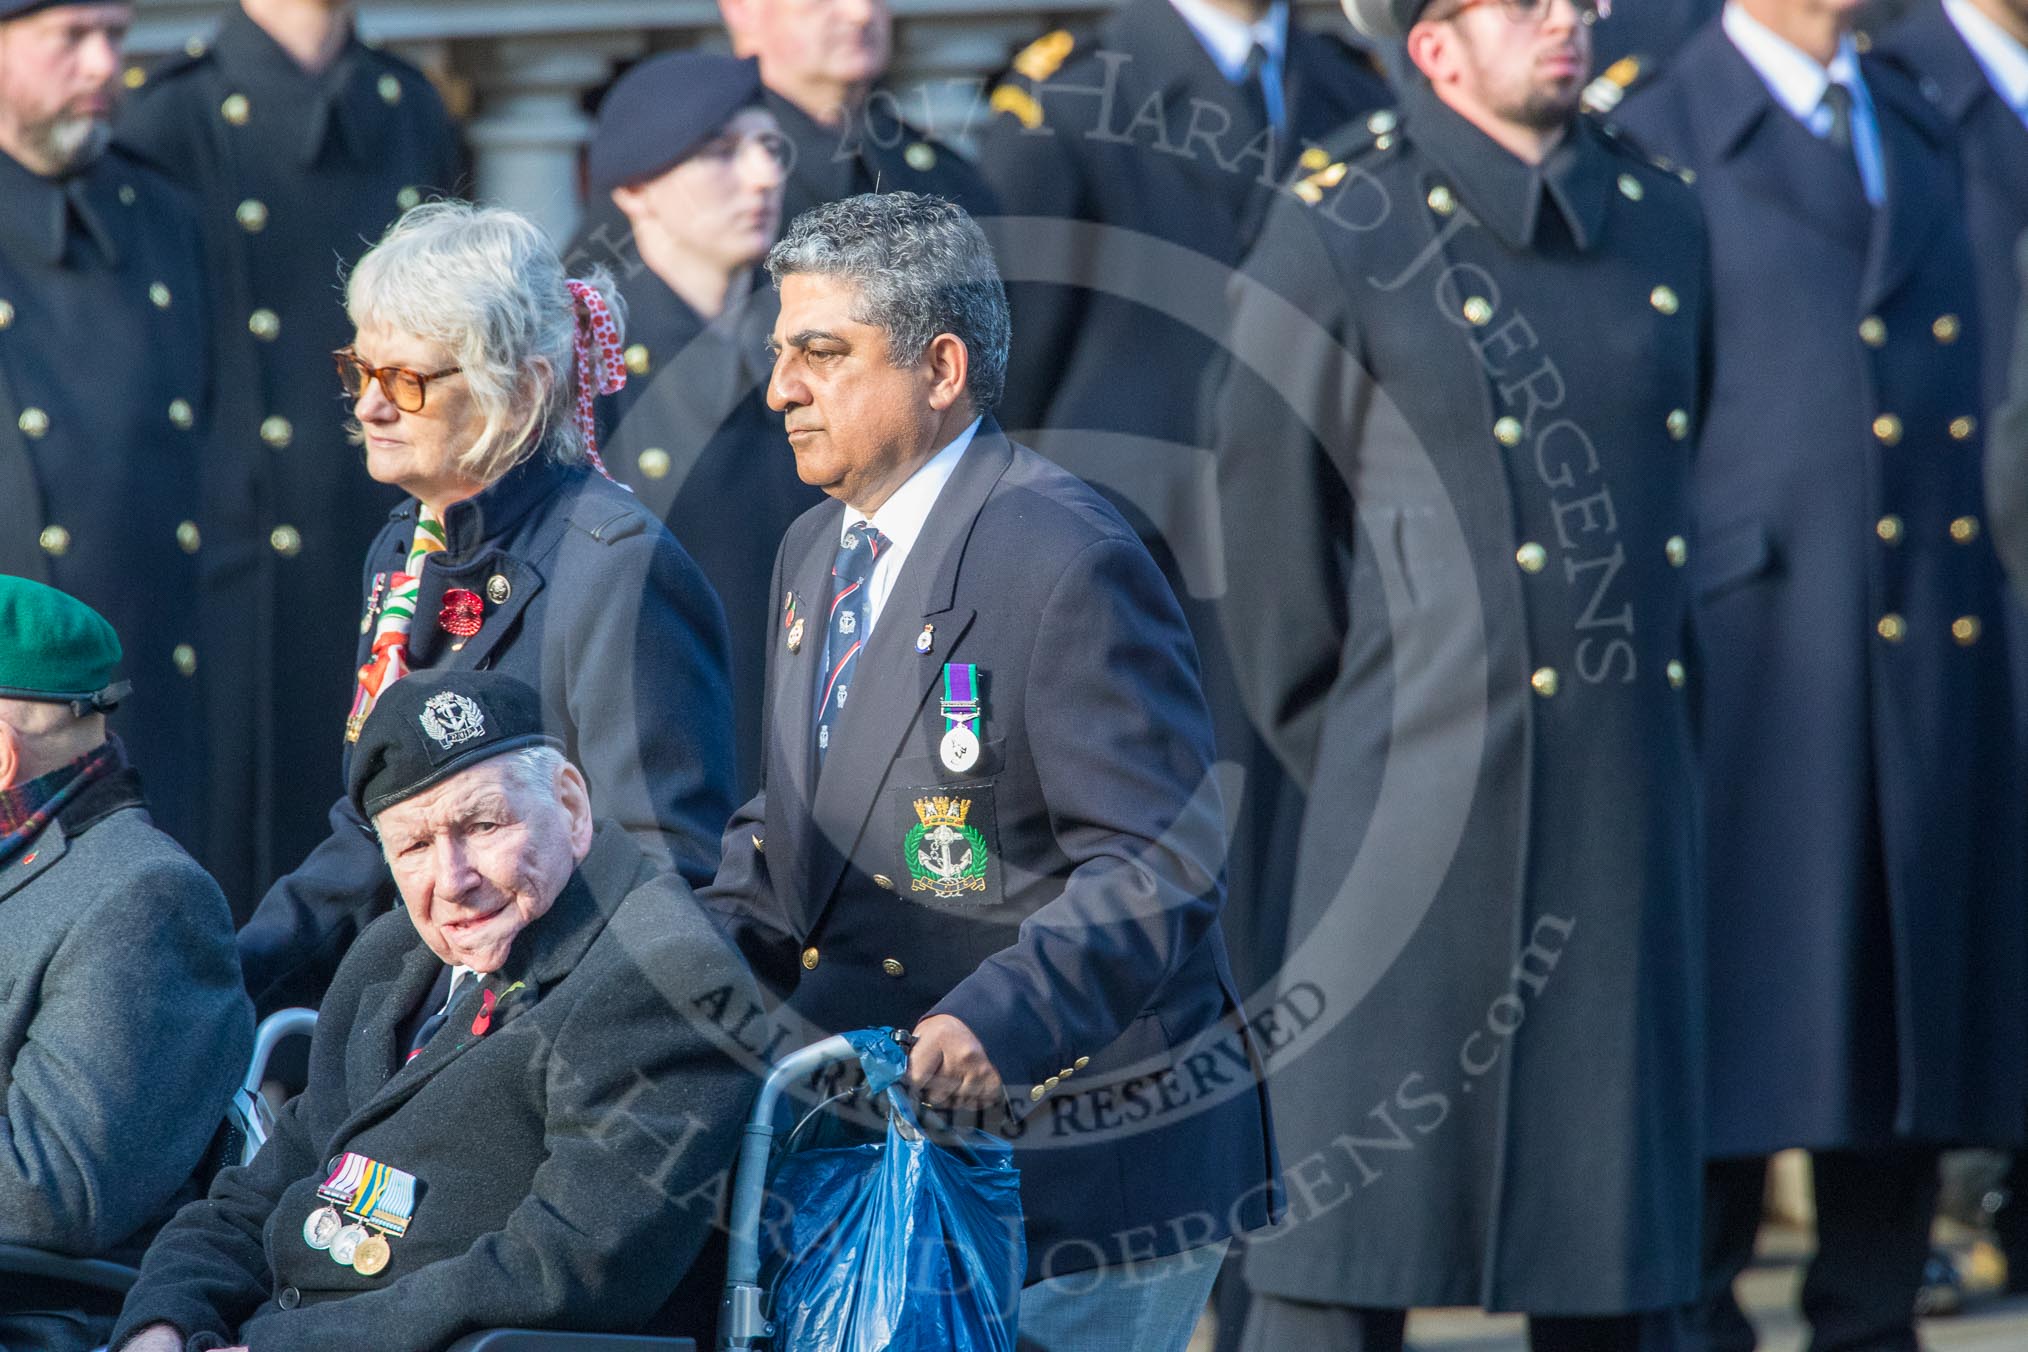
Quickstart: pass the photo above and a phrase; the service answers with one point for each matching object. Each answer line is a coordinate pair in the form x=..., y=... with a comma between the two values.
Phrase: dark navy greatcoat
x=2007, y=452
x=590, y=601
x=1134, y=129
x=105, y=420
x=297, y=174
x=693, y=435
x=1991, y=143
x=1867, y=932
x=1089, y=943
x=1454, y=454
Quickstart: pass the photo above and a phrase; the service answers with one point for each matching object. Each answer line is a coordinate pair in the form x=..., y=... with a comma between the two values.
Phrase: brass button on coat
x=810, y=959
x=1677, y=674
x=639, y=359
x=1873, y=331
x=1946, y=328
x=286, y=541
x=1478, y=311
x=1630, y=188
x=408, y=199
x=264, y=324
x=1664, y=300
x=1887, y=428
x=188, y=538
x=55, y=541
x=1888, y=528
x=1381, y=121
x=1965, y=629
x=881, y=880
x=158, y=295
x=277, y=431
x=893, y=967
x=33, y=422
x=920, y=158
x=1962, y=428
x=654, y=463
x=1544, y=681
x=498, y=589
x=390, y=90
x=1677, y=550
x=6, y=314
x=236, y=109
x=1891, y=627
x=1507, y=431
x=252, y=216
x=1442, y=200
x=185, y=658
x=181, y=414
x=1965, y=529
x=1678, y=424
x=1532, y=557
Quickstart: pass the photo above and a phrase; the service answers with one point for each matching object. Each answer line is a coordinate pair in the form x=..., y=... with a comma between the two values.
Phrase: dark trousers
x=1274, y=1324
x=1873, y=1215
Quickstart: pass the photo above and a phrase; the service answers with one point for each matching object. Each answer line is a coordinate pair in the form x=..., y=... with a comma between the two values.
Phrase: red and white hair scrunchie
x=601, y=368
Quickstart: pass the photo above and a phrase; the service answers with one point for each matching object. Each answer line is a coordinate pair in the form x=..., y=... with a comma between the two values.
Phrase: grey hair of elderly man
x=923, y=268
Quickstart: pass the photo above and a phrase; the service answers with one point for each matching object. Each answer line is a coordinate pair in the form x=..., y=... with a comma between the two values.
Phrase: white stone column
x=529, y=125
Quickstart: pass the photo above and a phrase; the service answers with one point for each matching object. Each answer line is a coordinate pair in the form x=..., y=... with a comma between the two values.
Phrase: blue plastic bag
x=905, y=1246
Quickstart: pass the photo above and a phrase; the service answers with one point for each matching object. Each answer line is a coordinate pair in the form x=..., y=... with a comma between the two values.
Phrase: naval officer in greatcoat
x=1454, y=450
x=1869, y=951
x=302, y=144
x=106, y=382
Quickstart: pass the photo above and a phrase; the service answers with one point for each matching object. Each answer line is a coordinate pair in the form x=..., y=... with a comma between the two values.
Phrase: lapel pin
x=796, y=637
x=925, y=638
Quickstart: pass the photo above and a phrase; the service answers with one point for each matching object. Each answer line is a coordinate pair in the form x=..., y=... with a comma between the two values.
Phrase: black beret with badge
x=430, y=725
x=664, y=109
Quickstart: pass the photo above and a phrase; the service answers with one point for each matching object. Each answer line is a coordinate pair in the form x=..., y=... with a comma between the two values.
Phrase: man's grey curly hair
x=923, y=268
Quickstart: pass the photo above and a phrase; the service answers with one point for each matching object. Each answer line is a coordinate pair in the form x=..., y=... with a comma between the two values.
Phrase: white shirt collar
x=2004, y=58
x=1229, y=40
x=1790, y=72
x=902, y=517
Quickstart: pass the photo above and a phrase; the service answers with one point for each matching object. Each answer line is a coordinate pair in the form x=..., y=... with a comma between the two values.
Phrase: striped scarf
x=26, y=810
x=388, y=662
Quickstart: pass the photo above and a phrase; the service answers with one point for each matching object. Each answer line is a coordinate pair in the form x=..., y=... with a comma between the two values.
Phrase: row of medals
x=350, y=1244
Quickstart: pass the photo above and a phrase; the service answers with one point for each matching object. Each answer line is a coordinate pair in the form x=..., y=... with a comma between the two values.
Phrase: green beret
x=55, y=648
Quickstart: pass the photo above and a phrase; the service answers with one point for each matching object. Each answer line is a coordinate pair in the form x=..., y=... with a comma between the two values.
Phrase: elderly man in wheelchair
x=516, y=1115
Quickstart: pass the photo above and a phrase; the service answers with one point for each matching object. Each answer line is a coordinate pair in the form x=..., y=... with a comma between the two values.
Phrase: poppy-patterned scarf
x=388, y=662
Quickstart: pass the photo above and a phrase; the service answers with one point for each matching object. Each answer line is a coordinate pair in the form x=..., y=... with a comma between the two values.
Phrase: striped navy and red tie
x=845, y=628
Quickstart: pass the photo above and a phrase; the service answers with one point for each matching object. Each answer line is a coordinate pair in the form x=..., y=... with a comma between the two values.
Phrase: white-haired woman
x=472, y=372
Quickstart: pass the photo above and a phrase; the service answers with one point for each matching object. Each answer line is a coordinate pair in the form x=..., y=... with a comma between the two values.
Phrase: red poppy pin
x=483, y=1020
x=462, y=614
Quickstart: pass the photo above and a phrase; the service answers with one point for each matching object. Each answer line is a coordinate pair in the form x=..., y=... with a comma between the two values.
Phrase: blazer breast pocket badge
x=950, y=843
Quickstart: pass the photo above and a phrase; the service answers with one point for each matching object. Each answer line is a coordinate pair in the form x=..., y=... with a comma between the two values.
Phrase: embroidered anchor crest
x=945, y=856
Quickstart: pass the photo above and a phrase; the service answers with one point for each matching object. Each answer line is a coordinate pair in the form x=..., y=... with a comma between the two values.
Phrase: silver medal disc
x=960, y=749
x=322, y=1227
x=345, y=1244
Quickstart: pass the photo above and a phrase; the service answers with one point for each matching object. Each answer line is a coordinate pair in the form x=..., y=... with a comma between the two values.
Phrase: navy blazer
x=1090, y=945
x=591, y=602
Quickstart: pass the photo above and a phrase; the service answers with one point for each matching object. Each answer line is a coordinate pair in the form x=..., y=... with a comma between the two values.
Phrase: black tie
x=1253, y=88
x=449, y=983
x=1838, y=100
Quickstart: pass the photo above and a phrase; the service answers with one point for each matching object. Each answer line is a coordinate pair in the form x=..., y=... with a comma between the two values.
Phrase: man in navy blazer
x=1867, y=939
x=987, y=812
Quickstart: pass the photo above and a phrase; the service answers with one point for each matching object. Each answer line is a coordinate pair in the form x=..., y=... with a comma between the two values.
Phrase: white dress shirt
x=901, y=519
x=1798, y=83
x=2000, y=54
x=1229, y=41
